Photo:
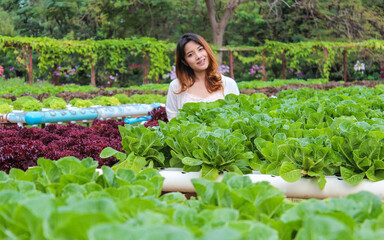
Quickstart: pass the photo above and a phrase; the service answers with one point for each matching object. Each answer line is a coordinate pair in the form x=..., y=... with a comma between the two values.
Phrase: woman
x=197, y=76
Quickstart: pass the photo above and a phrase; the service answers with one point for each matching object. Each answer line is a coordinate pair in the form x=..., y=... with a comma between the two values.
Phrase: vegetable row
x=300, y=133
x=28, y=103
x=20, y=147
x=47, y=88
x=68, y=199
x=35, y=98
x=111, y=97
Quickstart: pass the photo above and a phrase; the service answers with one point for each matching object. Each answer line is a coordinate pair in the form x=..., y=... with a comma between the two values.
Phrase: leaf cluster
x=321, y=53
x=300, y=133
x=68, y=198
x=113, y=52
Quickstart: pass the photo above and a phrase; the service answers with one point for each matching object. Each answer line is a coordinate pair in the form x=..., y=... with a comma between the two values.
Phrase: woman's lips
x=200, y=63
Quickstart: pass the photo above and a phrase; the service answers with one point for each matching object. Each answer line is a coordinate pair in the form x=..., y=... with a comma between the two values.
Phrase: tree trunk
x=345, y=65
x=145, y=81
x=30, y=70
x=93, y=75
x=283, y=65
x=231, y=65
x=219, y=25
x=218, y=38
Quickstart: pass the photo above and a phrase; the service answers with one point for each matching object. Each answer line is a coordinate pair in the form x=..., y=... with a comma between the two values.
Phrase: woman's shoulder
x=230, y=85
x=227, y=81
x=175, y=85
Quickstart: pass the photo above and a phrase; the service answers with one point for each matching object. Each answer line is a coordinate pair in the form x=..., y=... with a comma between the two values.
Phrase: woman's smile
x=201, y=62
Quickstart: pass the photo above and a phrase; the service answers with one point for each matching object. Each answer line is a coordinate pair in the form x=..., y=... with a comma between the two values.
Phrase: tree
x=247, y=26
x=219, y=24
x=7, y=27
x=332, y=20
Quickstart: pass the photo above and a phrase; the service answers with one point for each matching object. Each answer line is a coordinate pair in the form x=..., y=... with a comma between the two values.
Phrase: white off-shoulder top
x=176, y=101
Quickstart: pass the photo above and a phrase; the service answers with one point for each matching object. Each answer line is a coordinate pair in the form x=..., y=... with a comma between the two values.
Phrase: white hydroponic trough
x=178, y=181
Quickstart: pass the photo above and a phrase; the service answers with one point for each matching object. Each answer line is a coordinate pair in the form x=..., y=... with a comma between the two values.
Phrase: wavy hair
x=185, y=73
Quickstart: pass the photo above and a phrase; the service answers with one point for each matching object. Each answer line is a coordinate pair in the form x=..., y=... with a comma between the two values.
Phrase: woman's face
x=196, y=56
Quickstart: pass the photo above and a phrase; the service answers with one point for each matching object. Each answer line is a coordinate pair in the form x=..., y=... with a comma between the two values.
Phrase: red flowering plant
x=382, y=75
x=1, y=71
x=134, y=68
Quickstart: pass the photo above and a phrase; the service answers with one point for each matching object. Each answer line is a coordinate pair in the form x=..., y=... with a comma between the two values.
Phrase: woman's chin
x=201, y=68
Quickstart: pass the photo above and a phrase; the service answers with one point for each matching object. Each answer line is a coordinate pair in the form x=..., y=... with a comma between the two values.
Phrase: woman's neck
x=200, y=76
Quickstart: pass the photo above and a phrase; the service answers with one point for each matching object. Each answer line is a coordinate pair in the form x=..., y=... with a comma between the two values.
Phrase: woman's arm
x=171, y=104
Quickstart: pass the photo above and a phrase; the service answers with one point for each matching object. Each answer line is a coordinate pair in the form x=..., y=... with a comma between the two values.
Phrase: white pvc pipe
x=178, y=181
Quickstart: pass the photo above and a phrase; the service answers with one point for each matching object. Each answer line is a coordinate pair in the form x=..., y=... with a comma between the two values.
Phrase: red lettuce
x=20, y=147
x=157, y=114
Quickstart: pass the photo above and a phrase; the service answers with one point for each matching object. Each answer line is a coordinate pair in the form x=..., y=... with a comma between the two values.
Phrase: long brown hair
x=185, y=73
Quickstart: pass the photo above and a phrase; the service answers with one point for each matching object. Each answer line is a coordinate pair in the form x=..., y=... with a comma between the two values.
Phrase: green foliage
x=301, y=133
x=114, y=52
x=251, y=24
x=105, y=101
x=150, y=87
x=22, y=103
x=319, y=53
x=80, y=103
x=123, y=99
x=4, y=100
x=142, y=147
x=147, y=98
x=69, y=198
x=17, y=87
x=277, y=83
x=54, y=103
x=254, y=26
x=85, y=24
x=5, y=108
x=27, y=104
x=8, y=27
